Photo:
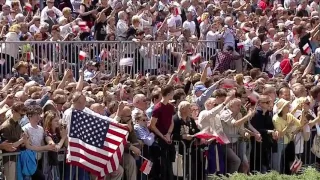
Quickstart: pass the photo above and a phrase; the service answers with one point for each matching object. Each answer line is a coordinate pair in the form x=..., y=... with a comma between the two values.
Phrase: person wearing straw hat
x=285, y=124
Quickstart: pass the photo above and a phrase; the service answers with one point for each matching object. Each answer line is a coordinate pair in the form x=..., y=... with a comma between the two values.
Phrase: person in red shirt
x=162, y=125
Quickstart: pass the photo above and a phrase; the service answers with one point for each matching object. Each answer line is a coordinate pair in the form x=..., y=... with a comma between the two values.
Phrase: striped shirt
x=227, y=121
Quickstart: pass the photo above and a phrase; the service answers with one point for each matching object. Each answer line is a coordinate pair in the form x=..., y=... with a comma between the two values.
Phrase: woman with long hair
x=87, y=12
x=54, y=134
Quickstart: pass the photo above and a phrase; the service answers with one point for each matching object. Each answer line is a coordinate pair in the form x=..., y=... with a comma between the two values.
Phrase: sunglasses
x=266, y=102
x=143, y=120
x=60, y=103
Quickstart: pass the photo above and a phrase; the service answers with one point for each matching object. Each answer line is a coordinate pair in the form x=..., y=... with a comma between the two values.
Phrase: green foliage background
x=308, y=174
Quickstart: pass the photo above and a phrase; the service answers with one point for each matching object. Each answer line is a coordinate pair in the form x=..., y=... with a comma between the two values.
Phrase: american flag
x=95, y=144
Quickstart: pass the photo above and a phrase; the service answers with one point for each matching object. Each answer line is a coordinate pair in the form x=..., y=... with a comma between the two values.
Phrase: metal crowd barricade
x=155, y=57
x=194, y=159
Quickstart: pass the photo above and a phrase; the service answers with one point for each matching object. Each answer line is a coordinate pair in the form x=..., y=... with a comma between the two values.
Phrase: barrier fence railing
x=155, y=57
x=193, y=161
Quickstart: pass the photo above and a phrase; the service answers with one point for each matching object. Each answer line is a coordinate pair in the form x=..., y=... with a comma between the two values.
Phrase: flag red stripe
x=92, y=171
x=113, y=165
x=111, y=158
x=144, y=165
x=116, y=133
x=119, y=155
x=76, y=145
x=119, y=126
x=86, y=158
x=112, y=141
x=112, y=162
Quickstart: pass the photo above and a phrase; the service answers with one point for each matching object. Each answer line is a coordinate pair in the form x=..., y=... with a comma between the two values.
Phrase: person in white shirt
x=35, y=27
x=229, y=33
x=192, y=7
x=147, y=53
x=44, y=14
x=34, y=132
x=174, y=24
x=317, y=59
x=140, y=105
x=19, y=18
x=145, y=20
x=272, y=61
x=304, y=6
x=212, y=38
x=189, y=23
x=79, y=103
x=6, y=13
x=65, y=27
x=133, y=7
x=315, y=6
x=248, y=42
x=122, y=26
x=207, y=117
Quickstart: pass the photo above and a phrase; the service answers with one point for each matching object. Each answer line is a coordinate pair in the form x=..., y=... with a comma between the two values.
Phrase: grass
x=308, y=174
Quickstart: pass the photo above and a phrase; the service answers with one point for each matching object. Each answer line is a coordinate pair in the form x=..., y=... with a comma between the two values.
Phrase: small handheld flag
x=126, y=62
x=28, y=7
x=240, y=45
x=306, y=49
x=146, y=166
x=196, y=58
x=82, y=55
x=177, y=11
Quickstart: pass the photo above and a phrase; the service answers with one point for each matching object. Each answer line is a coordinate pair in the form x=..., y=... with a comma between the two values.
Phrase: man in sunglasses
x=11, y=132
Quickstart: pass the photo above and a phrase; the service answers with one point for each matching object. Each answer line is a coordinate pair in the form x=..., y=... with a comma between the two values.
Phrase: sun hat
x=281, y=104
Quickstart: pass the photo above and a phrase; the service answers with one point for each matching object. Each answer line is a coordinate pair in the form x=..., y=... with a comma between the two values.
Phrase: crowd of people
x=236, y=82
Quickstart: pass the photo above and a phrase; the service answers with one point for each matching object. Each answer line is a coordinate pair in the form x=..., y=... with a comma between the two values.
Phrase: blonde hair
x=135, y=19
x=85, y=1
x=285, y=53
x=182, y=105
x=34, y=69
x=66, y=10
x=299, y=101
x=239, y=79
x=204, y=16
x=15, y=28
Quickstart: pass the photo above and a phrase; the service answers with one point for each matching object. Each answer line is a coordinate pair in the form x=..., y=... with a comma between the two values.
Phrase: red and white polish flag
x=126, y=62
x=83, y=25
x=28, y=7
x=183, y=65
x=199, y=19
x=240, y=45
x=177, y=11
x=306, y=48
x=146, y=167
x=196, y=58
x=204, y=134
x=103, y=54
x=82, y=55
x=246, y=29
